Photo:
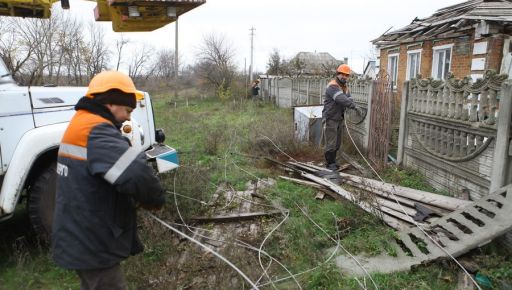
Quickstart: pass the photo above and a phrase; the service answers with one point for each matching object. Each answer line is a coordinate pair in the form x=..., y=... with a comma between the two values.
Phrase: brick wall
x=494, y=52
x=462, y=56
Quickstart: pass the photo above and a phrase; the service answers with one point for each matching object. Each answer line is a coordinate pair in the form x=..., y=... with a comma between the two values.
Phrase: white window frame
x=418, y=68
x=393, y=75
x=435, y=60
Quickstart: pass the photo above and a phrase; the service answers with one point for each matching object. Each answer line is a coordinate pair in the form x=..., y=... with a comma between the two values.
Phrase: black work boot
x=330, y=160
x=333, y=166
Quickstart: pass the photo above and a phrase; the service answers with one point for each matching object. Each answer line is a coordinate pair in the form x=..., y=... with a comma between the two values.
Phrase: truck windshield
x=5, y=74
x=3, y=69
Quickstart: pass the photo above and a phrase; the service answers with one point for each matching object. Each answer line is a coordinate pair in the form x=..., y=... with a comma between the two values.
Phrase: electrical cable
x=188, y=227
x=239, y=243
x=280, y=149
x=353, y=257
x=309, y=270
x=343, y=248
x=187, y=197
x=264, y=240
x=204, y=247
x=411, y=219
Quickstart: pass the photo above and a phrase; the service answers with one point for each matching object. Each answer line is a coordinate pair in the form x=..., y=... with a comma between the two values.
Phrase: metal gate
x=380, y=119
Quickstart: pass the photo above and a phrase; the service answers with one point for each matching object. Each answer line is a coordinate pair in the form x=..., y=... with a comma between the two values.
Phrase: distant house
x=313, y=63
x=370, y=70
x=463, y=39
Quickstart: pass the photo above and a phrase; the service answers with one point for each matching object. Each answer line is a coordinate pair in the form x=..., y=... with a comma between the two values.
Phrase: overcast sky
x=340, y=27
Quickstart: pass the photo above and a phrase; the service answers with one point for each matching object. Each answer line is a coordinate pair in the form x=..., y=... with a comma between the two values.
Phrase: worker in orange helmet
x=101, y=178
x=336, y=100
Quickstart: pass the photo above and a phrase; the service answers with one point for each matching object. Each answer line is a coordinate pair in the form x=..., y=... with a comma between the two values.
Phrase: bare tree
x=120, y=44
x=13, y=52
x=139, y=63
x=216, y=64
x=275, y=63
x=164, y=66
x=97, y=53
x=328, y=69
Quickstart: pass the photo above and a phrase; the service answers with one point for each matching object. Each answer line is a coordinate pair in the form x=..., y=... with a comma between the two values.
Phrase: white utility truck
x=32, y=122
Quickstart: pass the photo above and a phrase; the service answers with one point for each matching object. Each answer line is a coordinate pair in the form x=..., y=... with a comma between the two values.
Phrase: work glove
x=155, y=203
x=150, y=207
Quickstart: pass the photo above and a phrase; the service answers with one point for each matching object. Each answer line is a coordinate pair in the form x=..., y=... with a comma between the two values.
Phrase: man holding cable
x=336, y=100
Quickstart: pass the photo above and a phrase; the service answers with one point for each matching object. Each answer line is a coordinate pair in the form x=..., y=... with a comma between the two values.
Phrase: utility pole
x=176, y=64
x=245, y=76
x=252, y=47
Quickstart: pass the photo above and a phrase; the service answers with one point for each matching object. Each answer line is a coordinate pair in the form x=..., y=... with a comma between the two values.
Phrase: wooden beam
x=234, y=217
x=390, y=220
x=356, y=165
x=302, y=182
x=441, y=201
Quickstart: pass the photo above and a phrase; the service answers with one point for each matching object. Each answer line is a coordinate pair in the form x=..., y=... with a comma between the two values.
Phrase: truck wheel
x=41, y=202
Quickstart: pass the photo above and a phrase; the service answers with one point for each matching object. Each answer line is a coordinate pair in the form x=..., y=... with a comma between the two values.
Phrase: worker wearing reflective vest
x=101, y=180
x=336, y=99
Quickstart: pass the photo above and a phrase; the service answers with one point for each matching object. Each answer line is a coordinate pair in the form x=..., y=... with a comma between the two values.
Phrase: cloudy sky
x=340, y=27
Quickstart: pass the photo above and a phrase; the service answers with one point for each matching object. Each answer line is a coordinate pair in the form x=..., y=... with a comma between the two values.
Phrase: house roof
x=316, y=62
x=452, y=21
x=315, y=58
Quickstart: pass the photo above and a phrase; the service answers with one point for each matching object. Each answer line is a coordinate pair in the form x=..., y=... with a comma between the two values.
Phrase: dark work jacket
x=100, y=180
x=335, y=102
x=255, y=90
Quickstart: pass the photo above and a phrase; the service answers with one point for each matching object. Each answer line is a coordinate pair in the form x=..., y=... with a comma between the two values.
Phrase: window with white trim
x=413, y=64
x=441, y=61
x=393, y=68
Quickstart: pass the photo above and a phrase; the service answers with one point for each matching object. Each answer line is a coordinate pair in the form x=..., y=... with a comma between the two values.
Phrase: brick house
x=464, y=39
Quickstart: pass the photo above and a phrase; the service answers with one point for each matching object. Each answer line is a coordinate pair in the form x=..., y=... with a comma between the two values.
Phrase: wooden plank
x=234, y=217
x=391, y=221
x=356, y=165
x=383, y=194
x=302, y=182
x=393, y=205
x=394, y=222
x=440, y=201
x=308, y=167
x=400, y=199
x=397, y=214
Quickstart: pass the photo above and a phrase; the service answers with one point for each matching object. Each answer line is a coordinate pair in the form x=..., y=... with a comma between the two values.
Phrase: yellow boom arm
x=126, y=15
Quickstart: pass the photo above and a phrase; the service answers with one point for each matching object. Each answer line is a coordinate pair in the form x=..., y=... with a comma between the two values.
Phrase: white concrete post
x=291, y=94
x=277, y=87
x=307, y=92
x=500, y=170
x=369, y=95
x=403, y=131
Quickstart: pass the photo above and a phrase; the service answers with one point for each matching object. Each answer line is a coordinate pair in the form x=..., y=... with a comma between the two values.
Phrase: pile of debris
x=397, y=206
x=429, y=226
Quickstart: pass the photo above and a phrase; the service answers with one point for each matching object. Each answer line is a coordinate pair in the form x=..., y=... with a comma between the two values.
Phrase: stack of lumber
x=397, y=206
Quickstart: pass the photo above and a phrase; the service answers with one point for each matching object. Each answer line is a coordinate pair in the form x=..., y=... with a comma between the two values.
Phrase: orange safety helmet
x=343, y=69
x=108, y=80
